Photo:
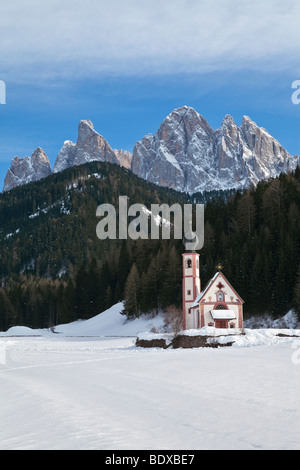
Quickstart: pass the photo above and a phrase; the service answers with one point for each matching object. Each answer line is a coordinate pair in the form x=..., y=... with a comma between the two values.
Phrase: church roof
x=209, y=284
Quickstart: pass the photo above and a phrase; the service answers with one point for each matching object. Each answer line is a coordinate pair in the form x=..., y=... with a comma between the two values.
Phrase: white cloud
x=67, y=38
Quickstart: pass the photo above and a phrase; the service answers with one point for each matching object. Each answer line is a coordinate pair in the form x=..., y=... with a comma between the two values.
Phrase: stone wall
x=151, y=343
x=182, y=341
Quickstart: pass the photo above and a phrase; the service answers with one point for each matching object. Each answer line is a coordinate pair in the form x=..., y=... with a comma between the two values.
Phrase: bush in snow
x=173, y=319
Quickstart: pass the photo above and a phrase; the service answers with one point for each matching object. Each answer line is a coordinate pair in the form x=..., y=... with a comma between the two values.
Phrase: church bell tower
x=191, y=286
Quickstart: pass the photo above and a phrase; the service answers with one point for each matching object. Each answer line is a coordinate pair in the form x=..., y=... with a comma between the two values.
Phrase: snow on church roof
x=199, y=296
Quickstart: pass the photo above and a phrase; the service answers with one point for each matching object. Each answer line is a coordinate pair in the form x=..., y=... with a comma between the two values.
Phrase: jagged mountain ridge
x=185, y=154
x=27, y=169
x=90, y=146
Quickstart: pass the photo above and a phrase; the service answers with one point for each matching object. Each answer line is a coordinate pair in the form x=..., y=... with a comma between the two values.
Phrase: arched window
x=188, y=263
x=220, y=307
x=220, y=296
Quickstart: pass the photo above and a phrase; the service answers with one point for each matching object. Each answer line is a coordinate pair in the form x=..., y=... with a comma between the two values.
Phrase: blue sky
x=126, y=65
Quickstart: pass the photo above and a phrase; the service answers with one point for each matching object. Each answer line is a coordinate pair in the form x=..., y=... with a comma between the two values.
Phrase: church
x=217, y=305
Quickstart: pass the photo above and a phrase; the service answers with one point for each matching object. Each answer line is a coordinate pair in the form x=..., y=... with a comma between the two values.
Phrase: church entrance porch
x=221, y=324
x=222, y=316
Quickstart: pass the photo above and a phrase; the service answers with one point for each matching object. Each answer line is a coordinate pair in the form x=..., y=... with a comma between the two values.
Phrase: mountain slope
x=48, y=225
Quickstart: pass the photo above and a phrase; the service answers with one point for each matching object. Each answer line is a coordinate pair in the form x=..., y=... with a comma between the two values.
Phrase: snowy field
x=89, y=387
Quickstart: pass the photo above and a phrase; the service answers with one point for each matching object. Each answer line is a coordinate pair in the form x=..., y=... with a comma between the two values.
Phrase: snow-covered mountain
x=90, y=146
x=66, y=157
x=186, y=154
x=27, y=169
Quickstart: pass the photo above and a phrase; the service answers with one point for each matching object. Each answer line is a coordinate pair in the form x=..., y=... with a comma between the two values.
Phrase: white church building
x=218, y=304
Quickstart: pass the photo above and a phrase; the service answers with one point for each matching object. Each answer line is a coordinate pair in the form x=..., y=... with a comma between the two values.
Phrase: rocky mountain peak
x=188, y=155
x=86, y=123
x=92, y=146
x=228, y=122
x=65, y=158
x=181, y=141
x=85, y=130
x=39, y=155
x=247, y=121
x=185, y=154
x=40, y=163
x=185, y=118
x=27, y=169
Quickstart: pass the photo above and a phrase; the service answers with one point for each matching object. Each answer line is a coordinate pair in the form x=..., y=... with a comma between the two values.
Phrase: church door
x=221, y=324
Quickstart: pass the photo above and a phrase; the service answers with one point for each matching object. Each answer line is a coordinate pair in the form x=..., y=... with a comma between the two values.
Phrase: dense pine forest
x=54, y=269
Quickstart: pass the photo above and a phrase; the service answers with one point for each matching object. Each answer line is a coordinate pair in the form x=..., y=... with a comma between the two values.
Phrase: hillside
x=48, y=225
x=53, y=266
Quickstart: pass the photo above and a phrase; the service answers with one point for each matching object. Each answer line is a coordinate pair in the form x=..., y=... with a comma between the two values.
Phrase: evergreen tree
x=82, y=298
x=296, y=298
x=153, y=283
x=132, y=293
x=170, y=292
x=7, y=312
x=123, y=266
x=245, y=213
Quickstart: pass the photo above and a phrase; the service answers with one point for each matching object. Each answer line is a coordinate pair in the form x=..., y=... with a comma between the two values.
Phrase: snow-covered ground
x=88, y=386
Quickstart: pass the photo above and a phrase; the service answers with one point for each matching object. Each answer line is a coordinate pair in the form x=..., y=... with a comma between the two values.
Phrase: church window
x=220, y=307
x=188, y=292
